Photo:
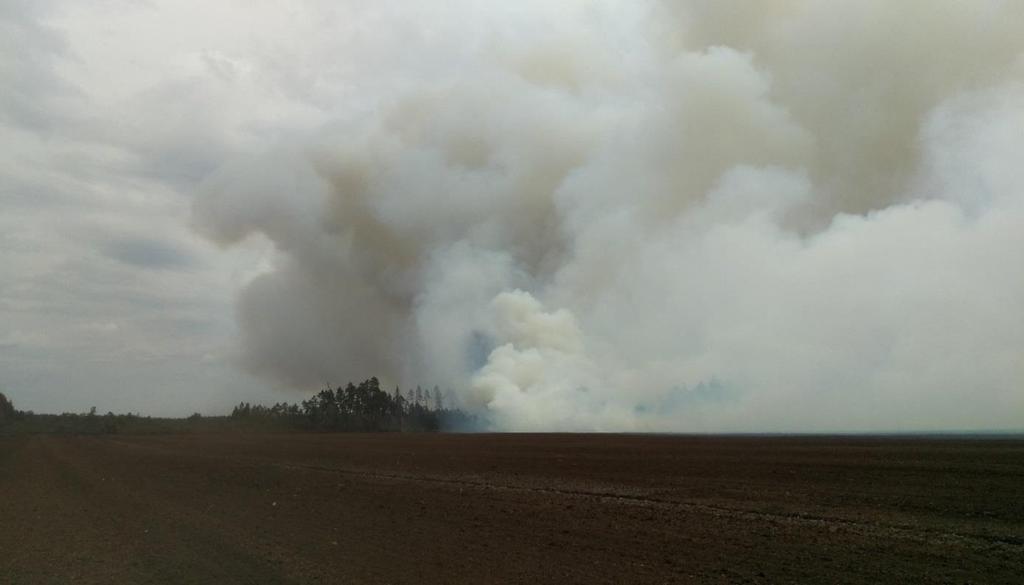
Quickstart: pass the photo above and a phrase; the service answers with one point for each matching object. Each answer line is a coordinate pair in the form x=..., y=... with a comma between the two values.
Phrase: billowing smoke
x=690, y=216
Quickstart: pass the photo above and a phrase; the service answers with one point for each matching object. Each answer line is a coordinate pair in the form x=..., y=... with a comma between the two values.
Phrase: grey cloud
x=638, y=197
x=100, y=274
x=30, y=51
x=614, y=215
x=148, y=253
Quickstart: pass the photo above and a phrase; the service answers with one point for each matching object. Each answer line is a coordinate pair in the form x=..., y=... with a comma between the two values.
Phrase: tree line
x=363, y=407
x=13, y=421
x=7, y=412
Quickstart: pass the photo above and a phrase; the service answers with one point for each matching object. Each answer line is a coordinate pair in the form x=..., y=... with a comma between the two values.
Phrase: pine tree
x=6, y=409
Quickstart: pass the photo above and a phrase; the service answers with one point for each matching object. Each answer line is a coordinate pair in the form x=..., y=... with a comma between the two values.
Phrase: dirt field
x=509, y=509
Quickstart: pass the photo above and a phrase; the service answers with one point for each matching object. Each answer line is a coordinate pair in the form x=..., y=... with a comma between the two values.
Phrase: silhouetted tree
x=7, y=411
x=362, y=407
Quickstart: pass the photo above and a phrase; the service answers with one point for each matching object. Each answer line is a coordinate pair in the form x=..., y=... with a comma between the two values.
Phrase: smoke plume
x=689, y=216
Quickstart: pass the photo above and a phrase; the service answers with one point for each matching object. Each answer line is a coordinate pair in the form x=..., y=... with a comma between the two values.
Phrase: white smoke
x=794, y=215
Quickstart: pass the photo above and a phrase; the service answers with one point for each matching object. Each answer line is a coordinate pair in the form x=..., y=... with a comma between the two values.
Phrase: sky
x=695, y=216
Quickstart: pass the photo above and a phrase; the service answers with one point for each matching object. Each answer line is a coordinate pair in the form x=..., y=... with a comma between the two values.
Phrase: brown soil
x=532, y=509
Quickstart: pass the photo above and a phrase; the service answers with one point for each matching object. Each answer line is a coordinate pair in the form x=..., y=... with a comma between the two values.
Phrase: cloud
x=653, y=216
x=799, y=215
x=31, y=52
x=105, y=140
x=147, y=253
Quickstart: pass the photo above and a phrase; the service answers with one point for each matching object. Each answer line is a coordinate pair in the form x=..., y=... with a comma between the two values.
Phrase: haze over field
x=799, y=215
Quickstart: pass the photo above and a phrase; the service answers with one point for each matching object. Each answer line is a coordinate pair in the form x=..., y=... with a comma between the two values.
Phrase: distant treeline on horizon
x=362, y=407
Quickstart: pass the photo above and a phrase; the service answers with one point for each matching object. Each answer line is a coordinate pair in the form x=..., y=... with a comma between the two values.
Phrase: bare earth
x=406, y=508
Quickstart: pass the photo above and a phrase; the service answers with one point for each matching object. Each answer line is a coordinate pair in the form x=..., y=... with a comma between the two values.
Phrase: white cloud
x=798, y=215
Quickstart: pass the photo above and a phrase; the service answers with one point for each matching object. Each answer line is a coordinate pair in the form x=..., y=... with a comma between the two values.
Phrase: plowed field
x=436, y=508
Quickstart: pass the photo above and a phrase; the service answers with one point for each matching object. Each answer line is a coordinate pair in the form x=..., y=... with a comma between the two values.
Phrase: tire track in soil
x=1006, y=543
x=1010, y=544
x=205, y=502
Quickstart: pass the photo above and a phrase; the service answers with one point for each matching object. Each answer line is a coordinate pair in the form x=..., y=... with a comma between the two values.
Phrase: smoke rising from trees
x=799, y=215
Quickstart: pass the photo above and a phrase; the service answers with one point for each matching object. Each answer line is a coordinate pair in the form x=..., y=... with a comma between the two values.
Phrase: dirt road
x=509, y=509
